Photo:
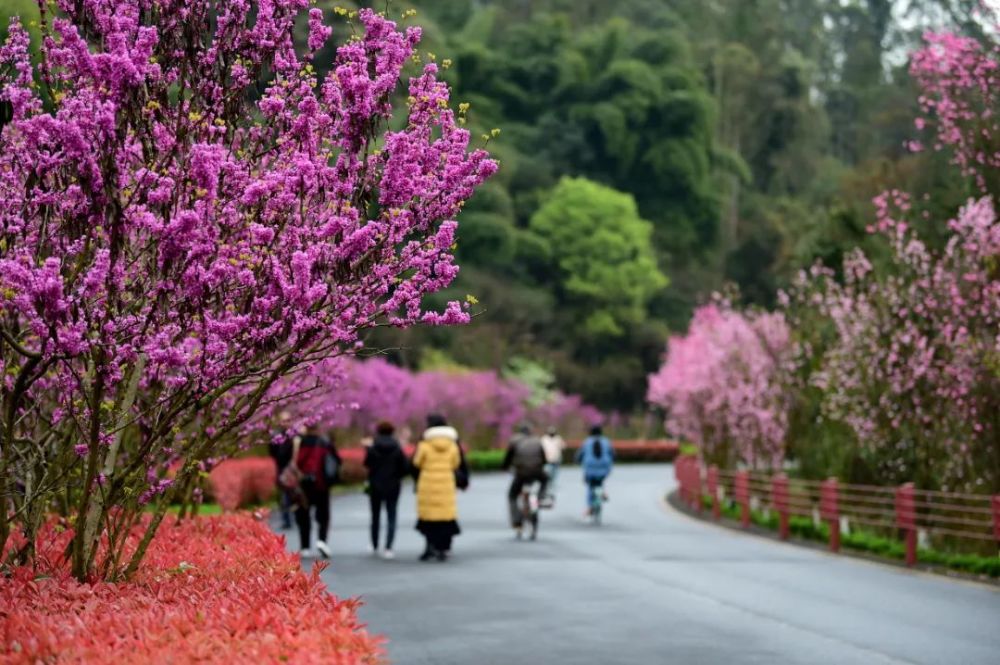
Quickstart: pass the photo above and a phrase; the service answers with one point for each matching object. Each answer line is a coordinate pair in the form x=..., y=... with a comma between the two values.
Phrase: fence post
x=829, y=511
x=906, y=519
x=696, y=484
x=742, y=491
x=713, y=490
x=996, y=517
x=779, y=497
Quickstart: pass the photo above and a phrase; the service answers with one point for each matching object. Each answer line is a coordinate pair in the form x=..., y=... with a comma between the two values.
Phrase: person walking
x=596, y=456
x=280, y=449
x=436, y=460
x=386, y=466
x=554, y=446
x=314, y=457
x=526, y=456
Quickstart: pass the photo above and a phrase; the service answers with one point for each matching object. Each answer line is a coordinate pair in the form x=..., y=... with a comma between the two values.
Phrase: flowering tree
x=912, y=363
x=188, y=210
x=914, y=366
x=722, y=388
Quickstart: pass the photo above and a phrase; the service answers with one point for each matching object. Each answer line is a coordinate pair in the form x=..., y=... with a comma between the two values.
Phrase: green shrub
x=485, y=460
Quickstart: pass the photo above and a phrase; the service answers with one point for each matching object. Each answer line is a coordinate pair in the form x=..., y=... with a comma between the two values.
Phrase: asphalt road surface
x=649, y=586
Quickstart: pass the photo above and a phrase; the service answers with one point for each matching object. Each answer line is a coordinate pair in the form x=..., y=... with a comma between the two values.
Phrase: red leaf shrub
x=210, y=590
x=241, y=482
x=635, y=451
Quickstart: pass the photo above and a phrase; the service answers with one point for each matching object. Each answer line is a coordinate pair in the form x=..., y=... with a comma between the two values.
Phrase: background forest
x=732, y=141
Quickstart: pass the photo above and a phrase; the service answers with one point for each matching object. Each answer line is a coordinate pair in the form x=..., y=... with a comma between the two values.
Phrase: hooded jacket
x=386, y=464
x=596, y=465
x=437, y=457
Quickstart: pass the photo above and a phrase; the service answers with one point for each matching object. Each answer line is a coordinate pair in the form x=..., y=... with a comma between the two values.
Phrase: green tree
x=601, y=249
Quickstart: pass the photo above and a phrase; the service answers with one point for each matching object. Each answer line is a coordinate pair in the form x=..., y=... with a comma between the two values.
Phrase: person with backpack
x=526, y=456
x=387, y=466
x=316, y=464
x=596, y=456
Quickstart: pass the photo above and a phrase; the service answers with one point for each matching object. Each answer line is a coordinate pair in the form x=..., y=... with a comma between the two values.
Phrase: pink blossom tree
x=721, y=385
x=188, y=212
x=913, y=367
x=912, y=360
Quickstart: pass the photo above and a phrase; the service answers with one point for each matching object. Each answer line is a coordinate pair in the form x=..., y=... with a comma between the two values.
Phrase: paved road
x=650, y=586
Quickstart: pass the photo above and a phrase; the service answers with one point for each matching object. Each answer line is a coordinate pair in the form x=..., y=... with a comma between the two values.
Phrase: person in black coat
x=387, y=466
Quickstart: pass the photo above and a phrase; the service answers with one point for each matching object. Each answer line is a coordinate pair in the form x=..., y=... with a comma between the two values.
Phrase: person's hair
x=596, y=430
x=385, y=428
x=552, y=431
x=524, y=428
x=436, y=420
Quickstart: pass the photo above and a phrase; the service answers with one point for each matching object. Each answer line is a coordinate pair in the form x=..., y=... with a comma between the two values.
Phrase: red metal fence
x=903, y=509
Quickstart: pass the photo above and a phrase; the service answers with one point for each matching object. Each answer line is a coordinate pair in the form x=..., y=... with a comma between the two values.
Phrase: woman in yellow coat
x=436, y=458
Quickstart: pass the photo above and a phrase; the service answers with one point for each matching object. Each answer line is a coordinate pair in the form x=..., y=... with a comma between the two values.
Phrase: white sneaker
x=387, y=554
x=323, y=548
x=372, y=550
x=308, y=553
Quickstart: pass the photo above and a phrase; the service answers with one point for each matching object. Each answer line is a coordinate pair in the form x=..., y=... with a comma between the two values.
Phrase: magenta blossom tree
x=722, y=385
x=188, y=210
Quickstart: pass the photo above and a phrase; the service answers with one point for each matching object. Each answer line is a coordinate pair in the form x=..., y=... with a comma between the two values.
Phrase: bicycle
x=528, y=504
x=597, y=497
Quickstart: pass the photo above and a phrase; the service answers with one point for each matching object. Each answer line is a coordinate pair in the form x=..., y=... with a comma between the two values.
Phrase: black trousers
x=390, y=500
x=516, y=518
x=318, y=498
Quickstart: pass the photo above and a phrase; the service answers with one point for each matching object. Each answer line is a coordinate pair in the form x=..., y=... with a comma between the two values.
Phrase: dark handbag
x=462, y=472
x=331, y=468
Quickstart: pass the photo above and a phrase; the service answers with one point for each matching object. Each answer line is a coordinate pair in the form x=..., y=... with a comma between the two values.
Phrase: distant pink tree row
x=188, y=213
x=484, y=406
x=721, y=385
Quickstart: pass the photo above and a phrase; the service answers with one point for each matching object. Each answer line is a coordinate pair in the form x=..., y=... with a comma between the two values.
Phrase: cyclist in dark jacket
x=387, y=465
x=526, y=456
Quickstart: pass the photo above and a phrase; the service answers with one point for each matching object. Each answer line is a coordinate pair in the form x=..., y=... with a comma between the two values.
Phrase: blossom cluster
x=959, y=79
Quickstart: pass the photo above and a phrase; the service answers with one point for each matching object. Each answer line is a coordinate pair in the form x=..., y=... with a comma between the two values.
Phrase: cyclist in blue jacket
x=597, y=456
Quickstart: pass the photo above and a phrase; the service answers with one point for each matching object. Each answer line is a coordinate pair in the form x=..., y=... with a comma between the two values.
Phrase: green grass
x=864, y=541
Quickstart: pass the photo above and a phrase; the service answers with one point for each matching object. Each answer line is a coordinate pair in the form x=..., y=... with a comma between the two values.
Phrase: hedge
x=211, y=589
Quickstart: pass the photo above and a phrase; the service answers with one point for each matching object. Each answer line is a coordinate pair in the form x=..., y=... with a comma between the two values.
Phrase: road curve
x=649, y=586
